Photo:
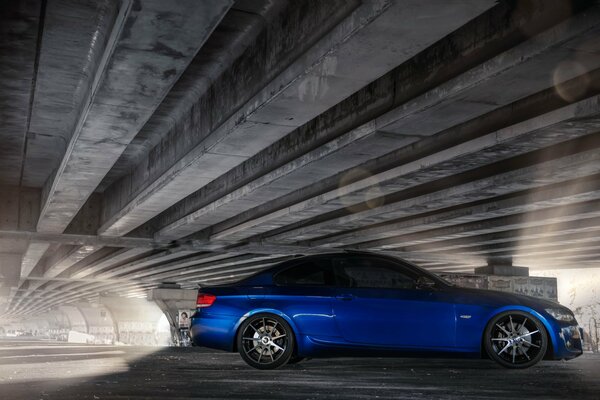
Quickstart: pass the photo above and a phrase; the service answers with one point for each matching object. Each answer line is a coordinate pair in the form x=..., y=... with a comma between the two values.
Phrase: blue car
x=365, y=304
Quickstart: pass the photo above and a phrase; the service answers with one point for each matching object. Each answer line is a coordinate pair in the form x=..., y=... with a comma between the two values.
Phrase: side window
x=373, y=273
x=310, y=273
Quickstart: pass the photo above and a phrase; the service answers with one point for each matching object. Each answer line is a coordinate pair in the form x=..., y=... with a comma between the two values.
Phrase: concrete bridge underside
x=144, y=141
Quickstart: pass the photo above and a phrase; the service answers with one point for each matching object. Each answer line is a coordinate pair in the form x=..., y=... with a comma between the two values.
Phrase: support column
x=170, y=298
x=502, y=267
x=10, y=272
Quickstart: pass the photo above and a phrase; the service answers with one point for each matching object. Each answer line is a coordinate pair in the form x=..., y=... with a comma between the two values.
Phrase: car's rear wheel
x=265, y=341
x=515, y=339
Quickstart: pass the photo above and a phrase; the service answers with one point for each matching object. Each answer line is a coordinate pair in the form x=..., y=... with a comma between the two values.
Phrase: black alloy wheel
x=265, y=341
x=516, y=339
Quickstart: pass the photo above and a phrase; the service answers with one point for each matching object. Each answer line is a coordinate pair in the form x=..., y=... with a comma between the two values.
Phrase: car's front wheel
x=265, y=341
x=515, y=339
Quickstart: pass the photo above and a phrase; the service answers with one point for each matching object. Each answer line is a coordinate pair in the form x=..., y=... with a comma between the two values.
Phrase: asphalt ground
x=49, y=370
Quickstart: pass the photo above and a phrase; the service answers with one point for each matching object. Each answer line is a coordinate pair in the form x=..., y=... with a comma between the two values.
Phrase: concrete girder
x=158, y=257
x=63, y=78
x=537, y=175
x=138, y=270
x=572, y=241
x=499, y=242
x=536, y=235
x=289, y=100
x=563, y=192
x=56, y=284
x=548, y=252
x=183, y=273
x=118, y=264
x=19, y=26
x=306, y=170
x=150, y=275
x=80, y=289
x=41, y=305
x=78, y=272
x=76, y=293
x=83, y=240
x=114, y=269
x=238, y=29
x=542, y=220
x=18, y=209
x=140, y=56
x=121, y=257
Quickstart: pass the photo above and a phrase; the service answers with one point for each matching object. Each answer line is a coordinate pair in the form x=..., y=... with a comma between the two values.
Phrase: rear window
x=374, y=273
x=310, y=273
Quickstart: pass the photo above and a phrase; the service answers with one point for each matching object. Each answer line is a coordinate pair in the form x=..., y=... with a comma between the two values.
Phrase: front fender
x=547, y=324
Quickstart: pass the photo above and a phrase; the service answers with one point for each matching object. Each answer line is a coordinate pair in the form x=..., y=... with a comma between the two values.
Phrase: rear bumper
x=213, y=331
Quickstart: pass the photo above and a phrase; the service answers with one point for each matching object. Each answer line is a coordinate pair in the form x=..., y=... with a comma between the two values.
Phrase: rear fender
x=267, y=311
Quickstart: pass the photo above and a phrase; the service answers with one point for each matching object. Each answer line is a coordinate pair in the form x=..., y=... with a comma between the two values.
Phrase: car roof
x=265, y=277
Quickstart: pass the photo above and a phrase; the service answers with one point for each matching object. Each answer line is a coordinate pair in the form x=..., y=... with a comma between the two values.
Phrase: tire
x=265, y=341
x=515, y=339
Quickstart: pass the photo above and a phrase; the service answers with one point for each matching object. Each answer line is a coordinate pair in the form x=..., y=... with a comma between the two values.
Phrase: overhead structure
x=189, y=142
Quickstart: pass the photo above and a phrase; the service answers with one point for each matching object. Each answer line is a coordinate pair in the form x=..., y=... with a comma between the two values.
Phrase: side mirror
x=425, y=283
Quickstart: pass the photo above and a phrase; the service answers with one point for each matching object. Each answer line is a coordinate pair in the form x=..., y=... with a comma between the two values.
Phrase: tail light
x=205, y=300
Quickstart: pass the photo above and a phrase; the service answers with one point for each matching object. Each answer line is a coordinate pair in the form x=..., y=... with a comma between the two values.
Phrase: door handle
x=345, y=297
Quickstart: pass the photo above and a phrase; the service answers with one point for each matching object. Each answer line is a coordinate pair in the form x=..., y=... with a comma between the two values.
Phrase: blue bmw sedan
x=365, y=304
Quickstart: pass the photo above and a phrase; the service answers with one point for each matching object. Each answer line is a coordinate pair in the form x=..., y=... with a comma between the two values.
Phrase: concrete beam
x=82, y=240
x=119, y=257
x=161, y=262
x=536, y=235
x=588, y=247
x=362, y=143
x=554, y=243
x=181, y=274
x=141, y=53
x=19, y=210
x=466, y=210
x=580, y=214
x=291, y=99
x=19, y=30
x=533, y=176
x=238, y=29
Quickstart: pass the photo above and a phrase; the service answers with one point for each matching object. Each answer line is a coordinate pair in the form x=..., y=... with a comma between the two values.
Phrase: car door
x=378, y=303
x=304, y=292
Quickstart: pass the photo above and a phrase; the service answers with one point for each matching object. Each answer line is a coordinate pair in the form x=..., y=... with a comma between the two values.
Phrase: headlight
x=561, y=314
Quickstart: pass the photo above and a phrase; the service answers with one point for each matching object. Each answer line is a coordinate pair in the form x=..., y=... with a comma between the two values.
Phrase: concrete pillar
x=171, y=298
x=10, y=272
x=502, y=267
x=136, y=320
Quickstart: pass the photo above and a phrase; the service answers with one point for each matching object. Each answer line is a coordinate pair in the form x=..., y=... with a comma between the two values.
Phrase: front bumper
x=569, y=343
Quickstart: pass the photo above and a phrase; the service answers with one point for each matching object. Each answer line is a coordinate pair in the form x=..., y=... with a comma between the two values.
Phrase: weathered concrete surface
x=327, y=167
x=107, y=372
x=517, y=139
x=341, y=62
x=63, y=79
x=238, y=29
x=18, y=43
x=517, y=202
x=446, y=133
x=140, y=54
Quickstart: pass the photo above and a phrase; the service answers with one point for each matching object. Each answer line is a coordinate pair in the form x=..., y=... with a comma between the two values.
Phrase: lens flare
x=574, y=89
x=368, y=198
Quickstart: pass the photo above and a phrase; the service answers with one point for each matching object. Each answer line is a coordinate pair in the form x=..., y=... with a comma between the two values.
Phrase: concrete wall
x=543, y=287
x=137, y=320
x=579, y=289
